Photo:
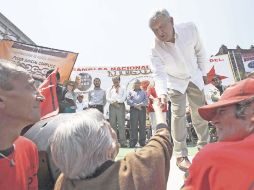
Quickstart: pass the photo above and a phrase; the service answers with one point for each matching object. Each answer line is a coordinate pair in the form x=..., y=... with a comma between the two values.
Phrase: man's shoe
x=183, y=163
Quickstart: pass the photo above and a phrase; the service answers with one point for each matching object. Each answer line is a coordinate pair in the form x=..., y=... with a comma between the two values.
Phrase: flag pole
x=232, y=67
x=236, y=65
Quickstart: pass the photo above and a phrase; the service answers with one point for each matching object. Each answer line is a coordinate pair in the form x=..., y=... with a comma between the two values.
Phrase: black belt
x=134, y=107
x=95, y=106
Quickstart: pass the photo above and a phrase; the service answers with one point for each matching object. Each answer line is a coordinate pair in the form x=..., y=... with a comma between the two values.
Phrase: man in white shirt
x=178, y=64
x=116, y=95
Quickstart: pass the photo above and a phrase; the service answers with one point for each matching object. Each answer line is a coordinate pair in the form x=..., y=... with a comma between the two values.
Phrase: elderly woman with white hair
x=84, y=149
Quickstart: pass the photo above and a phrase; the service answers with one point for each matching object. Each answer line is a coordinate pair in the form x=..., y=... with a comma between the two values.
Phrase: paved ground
x=175, y=180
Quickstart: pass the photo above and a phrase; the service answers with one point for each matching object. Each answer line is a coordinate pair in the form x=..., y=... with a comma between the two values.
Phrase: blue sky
x=115, y=32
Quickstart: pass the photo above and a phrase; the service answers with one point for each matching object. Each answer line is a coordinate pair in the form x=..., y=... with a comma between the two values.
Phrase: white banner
x=84, y=76
x=222, y=67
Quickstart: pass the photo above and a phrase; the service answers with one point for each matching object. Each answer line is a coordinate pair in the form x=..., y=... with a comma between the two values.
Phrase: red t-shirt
x=223, y=165
x=22, y=176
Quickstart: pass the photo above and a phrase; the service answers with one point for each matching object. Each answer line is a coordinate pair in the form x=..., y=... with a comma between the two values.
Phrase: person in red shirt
x=19, y=107
x=151, y=94
x=227, y=164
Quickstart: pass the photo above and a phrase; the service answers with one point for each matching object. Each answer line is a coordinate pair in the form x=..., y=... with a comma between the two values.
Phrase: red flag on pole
x=49, y=107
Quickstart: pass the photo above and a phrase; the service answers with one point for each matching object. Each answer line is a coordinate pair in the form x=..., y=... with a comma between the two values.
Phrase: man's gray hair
x=242, y=106
x=157, y=14
x=81, y=144
x=8, y=71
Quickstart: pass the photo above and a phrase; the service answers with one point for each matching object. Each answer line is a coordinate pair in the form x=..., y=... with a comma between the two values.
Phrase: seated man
x=89, y=165
x=227, y=164
x=19, y=107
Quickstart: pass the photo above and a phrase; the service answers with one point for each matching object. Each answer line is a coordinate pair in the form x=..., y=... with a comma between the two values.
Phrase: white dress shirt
x=174, y=65
x=113, y=96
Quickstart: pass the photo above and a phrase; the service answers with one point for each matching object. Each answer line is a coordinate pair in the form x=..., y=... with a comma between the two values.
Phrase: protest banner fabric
x=84, y=76
x=248, y=61
x=221, y=65
x=49, y=107
x=38, y=60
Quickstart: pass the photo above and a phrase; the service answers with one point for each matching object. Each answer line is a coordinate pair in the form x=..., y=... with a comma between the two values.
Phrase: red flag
x=49, y=107
x=211, y=74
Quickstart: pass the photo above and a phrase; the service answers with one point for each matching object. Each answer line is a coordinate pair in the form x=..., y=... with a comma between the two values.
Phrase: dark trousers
x=98, y=107
x=137, y=125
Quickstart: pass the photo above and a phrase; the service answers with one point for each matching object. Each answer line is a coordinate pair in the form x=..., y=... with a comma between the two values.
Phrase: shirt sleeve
x=104, y=98
x=145, y=100
x=89, y=97
x=159, y=74
x=200, y=52
x=108, y=96
x=150, y=161
x=130, y=101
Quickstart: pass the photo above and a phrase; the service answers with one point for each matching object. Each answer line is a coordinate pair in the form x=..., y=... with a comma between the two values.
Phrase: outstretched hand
x=156, y=104
x=158, y=111
x=162, y=101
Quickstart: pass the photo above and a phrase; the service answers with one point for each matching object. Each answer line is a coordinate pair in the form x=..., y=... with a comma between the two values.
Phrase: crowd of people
x=80, y=147
x=139, y=101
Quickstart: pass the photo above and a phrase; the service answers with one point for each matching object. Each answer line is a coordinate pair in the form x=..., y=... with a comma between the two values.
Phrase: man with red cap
x=227, y=164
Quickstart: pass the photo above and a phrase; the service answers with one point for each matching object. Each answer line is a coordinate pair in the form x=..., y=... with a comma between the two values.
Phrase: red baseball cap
x=236, y=93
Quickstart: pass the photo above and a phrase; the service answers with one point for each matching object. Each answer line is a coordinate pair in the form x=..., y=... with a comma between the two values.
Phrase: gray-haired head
x=158, y=14
x=82, y=144
x=8, y=72
x=136, y=81
x=116, y=78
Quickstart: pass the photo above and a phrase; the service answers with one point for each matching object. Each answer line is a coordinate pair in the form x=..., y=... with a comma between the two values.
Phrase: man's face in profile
x=22, y=102
x=231, y=128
